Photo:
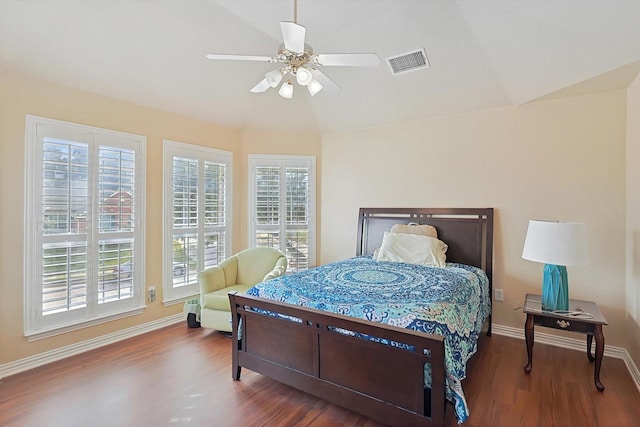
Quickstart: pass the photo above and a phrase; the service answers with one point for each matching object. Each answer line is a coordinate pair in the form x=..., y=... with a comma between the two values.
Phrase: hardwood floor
x=182, y=377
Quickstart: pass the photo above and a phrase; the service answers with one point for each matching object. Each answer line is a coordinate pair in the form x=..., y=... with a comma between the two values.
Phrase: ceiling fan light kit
x=303, y=76
x=314, y=87
x=286, y=90
x=300, y=62
x=273, y=77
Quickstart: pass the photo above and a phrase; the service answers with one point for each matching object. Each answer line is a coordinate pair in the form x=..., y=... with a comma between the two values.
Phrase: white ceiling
x=483, y=54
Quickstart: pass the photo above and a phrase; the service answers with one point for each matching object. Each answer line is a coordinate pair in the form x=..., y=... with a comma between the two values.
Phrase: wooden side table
x=589, y=323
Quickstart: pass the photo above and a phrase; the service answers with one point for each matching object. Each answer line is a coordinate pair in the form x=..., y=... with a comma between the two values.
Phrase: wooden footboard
x=309, y=350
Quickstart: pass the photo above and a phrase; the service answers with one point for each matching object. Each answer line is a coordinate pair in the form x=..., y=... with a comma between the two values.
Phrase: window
x=197, y=185
x=282, y=206
x=84, y=251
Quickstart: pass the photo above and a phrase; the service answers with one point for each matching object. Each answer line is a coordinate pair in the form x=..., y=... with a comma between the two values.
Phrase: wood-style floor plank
x=182, y=377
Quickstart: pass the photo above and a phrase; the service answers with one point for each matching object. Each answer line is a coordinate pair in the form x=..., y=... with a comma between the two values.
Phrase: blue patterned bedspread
x=452, y=302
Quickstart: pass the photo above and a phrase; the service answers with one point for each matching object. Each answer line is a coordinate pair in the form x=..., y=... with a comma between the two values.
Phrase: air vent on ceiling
x=409, y=61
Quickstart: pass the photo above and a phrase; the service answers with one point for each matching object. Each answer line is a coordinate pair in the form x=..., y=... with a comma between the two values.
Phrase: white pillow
x=413, y=249
x=413, y=228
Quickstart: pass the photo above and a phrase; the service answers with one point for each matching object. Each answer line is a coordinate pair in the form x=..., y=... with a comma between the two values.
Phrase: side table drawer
x=568, y=324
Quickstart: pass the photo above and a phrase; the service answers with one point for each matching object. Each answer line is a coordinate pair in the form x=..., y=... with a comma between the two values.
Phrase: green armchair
x=237, y=273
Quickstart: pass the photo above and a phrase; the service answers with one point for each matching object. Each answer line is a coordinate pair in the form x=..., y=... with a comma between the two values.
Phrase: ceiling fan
x=300, y=63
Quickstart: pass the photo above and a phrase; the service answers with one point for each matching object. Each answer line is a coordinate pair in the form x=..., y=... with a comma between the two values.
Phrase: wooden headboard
x=467, y=231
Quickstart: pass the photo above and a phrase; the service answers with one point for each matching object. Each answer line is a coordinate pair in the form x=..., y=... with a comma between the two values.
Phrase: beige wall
x=559, y=160
x=20, y=95
x=633, y=220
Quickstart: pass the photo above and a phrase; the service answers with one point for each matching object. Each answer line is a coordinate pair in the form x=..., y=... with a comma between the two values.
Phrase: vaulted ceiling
x=483, y=54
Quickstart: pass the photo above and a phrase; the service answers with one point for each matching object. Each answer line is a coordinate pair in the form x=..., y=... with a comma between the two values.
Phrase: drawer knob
x=563, y=324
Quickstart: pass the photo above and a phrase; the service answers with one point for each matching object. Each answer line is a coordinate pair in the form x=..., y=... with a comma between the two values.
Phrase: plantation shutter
x=83, y=192
x=282, y=205
x=198, y=237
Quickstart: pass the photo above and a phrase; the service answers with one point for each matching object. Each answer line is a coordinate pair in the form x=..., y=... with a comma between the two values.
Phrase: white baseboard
x=573, y=344
x=34, y=361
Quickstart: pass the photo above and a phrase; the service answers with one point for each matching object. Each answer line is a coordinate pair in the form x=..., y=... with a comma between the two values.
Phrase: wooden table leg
x=589, y=341
x=528, y=335
x=599, y=353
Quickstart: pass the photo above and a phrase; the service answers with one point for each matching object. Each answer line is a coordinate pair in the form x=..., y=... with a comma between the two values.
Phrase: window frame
x=284, y=161
x=36, y=324
x=175, y=295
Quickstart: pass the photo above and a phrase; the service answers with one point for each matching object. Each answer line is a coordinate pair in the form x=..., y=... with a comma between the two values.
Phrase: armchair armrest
x=279, y=269
x=211, y=279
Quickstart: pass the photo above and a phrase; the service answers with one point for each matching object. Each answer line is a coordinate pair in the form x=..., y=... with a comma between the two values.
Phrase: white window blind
x=84, y=249
x=282, y=204
x=197, y=223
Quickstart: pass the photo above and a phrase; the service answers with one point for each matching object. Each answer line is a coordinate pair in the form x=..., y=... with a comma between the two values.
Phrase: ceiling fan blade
x=325, y=81
x=261, y=87
x=240, y=57
x=347, y=59
x=293, y=36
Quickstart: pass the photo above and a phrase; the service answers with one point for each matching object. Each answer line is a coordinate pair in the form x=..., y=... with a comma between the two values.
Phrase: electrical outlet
x=152, y=294
x=498, y=296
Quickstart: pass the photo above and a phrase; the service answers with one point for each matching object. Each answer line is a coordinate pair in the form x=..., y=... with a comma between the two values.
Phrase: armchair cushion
x=219, y=300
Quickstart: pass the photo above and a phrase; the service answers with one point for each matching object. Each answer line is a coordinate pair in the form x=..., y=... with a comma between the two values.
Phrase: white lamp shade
x=273, y=77
x=314, y=87
x=557, y=243
x=303, y=76
x=286, y=90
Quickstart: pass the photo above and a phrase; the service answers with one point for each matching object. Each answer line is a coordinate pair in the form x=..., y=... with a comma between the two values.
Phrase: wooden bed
x=308, y=351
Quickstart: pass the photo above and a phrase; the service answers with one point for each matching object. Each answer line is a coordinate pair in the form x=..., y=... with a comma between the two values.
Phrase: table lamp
x=557, y=244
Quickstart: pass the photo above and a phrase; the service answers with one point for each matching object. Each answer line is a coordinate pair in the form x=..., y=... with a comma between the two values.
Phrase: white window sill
x=179, y=300
x=35, y=336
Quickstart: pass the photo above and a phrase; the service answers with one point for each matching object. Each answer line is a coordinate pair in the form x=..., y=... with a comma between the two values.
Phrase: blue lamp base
x=555, y=288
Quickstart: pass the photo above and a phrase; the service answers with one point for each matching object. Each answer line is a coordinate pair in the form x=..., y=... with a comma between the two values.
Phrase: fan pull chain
x=295, y=11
